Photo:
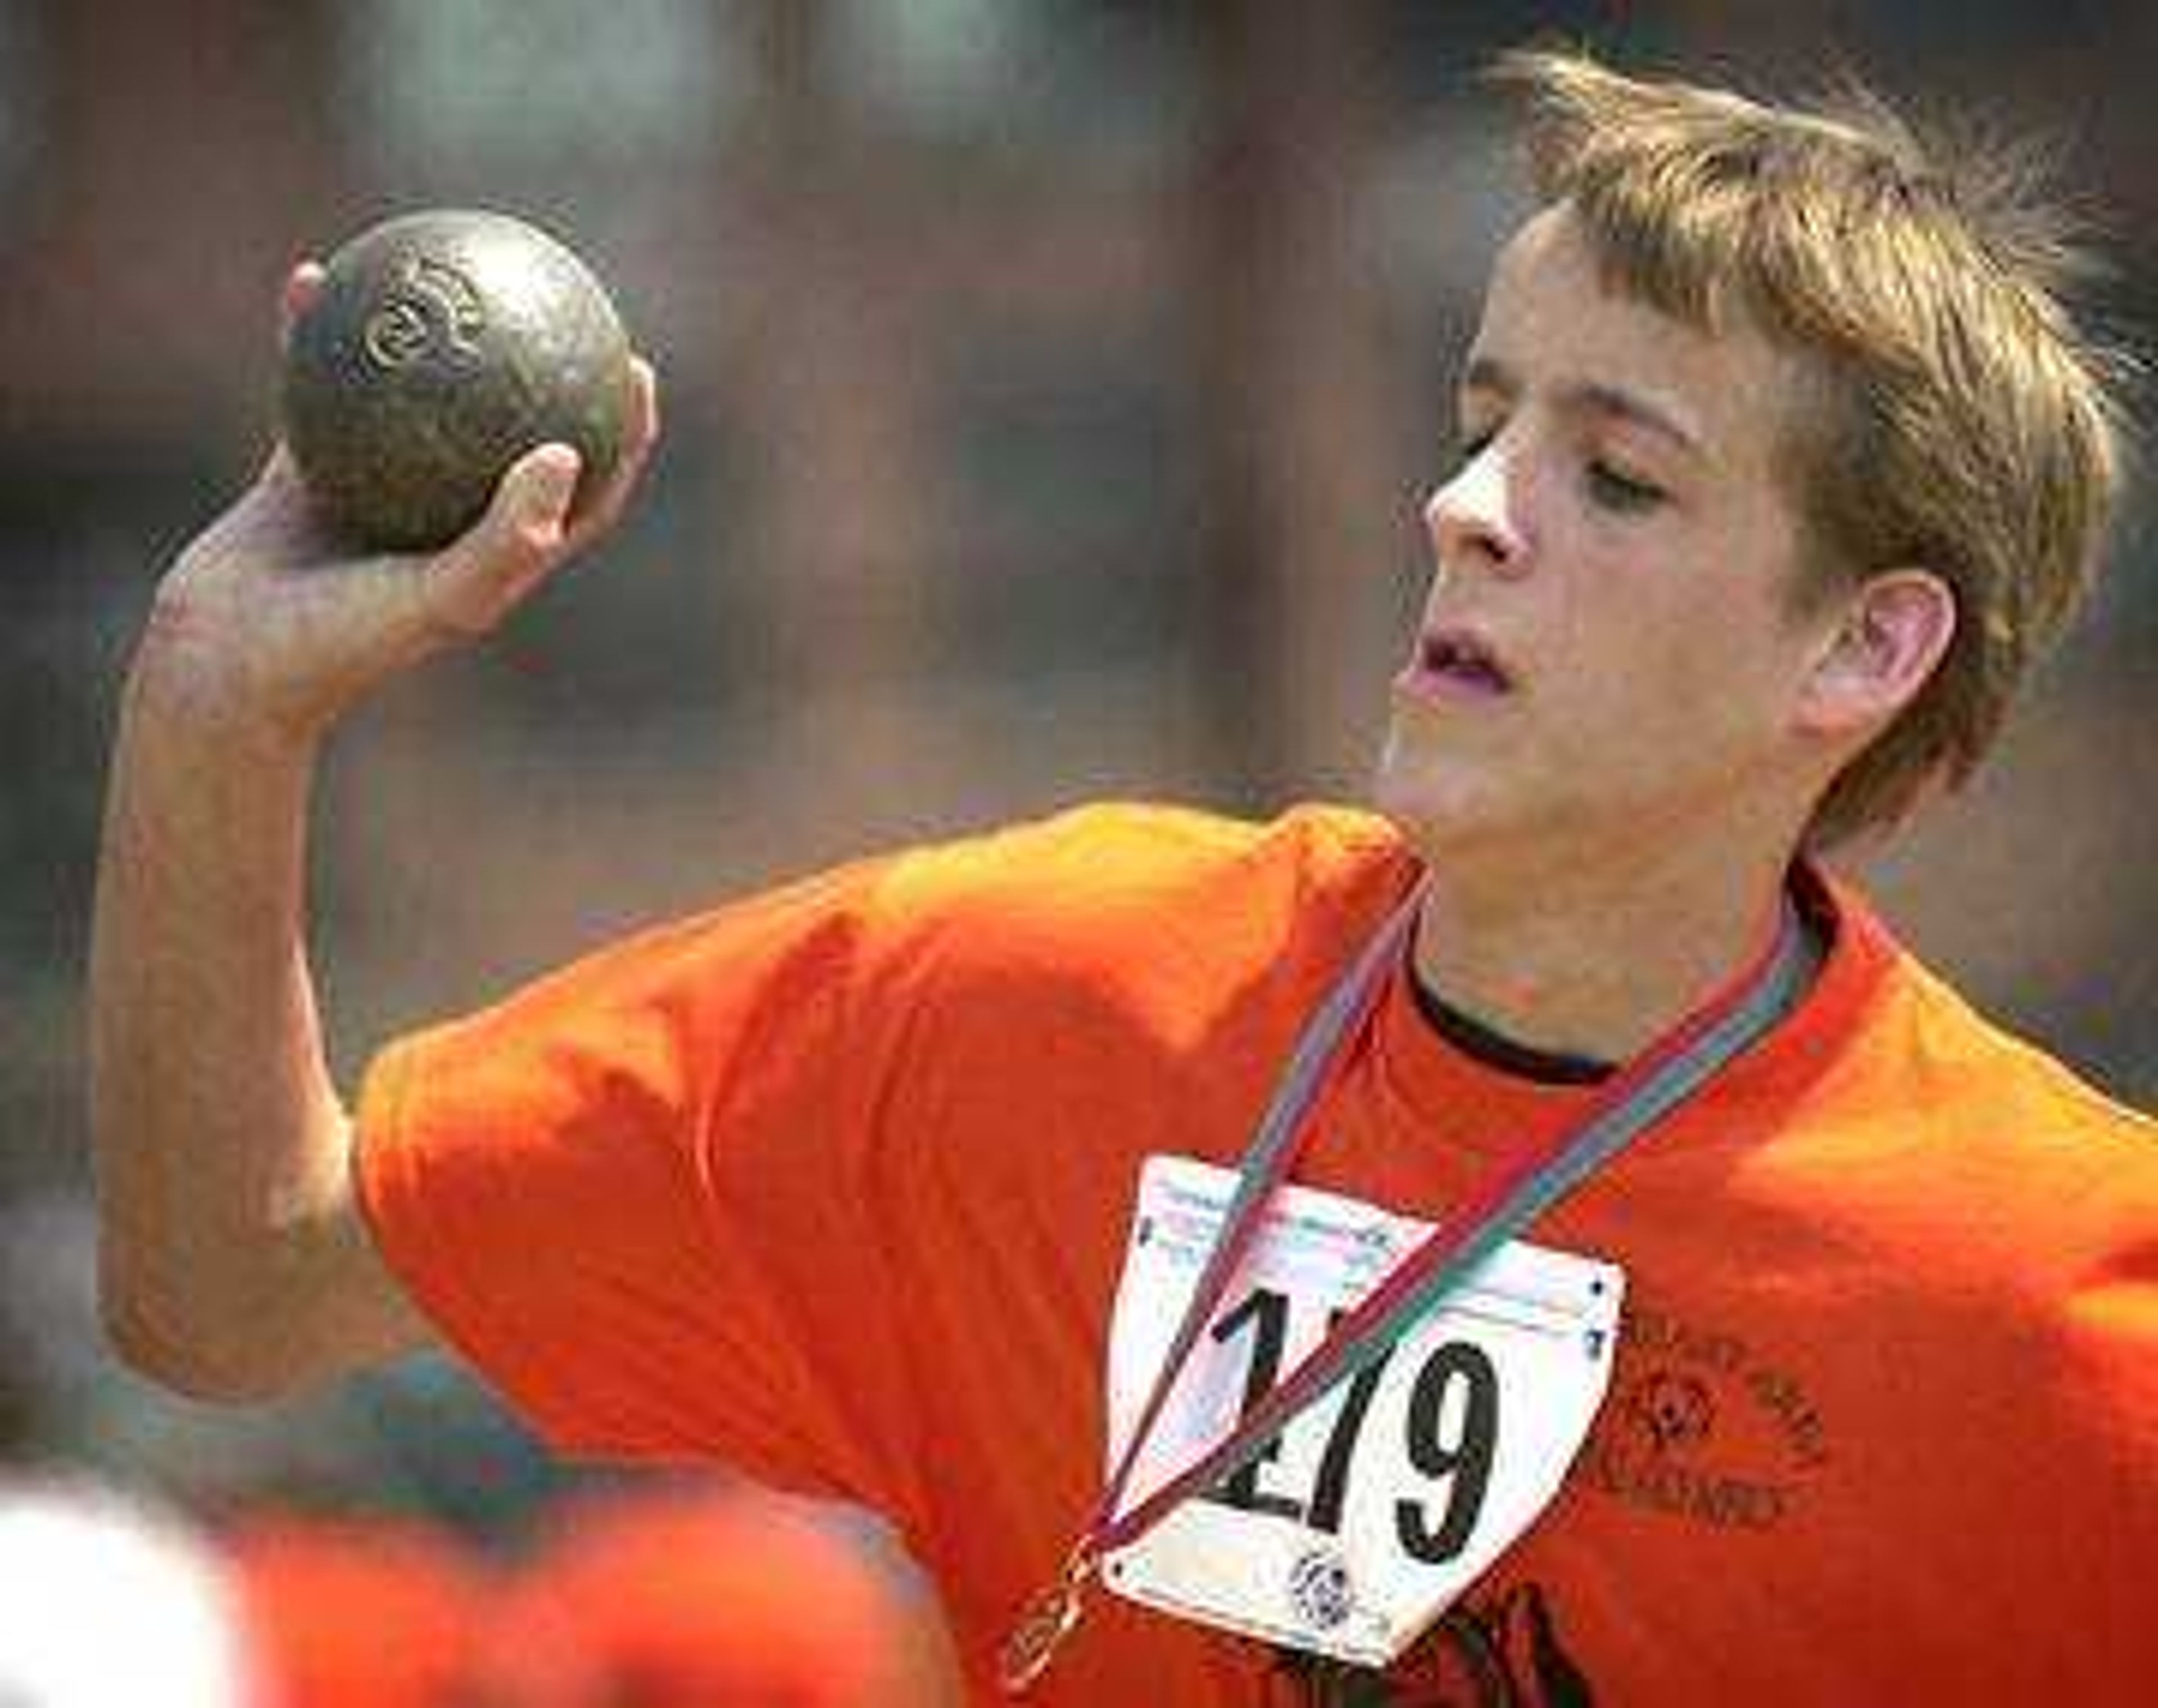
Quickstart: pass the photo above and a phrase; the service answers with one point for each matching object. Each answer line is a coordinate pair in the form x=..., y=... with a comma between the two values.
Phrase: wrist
x=178, y=691
x=184, y=681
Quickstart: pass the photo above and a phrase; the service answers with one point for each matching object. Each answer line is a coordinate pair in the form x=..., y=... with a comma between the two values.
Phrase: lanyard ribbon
x=1648, y=1088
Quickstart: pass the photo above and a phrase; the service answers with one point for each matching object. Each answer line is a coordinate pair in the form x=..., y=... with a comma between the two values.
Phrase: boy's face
x=1609, y=648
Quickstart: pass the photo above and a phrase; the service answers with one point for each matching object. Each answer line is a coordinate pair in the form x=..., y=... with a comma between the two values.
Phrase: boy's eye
x=1615, y=491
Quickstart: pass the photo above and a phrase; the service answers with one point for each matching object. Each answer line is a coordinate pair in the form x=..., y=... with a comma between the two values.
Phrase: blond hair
x=1963, y=423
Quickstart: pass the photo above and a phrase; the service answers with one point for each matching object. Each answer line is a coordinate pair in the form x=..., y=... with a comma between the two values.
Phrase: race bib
x=1350, y=1532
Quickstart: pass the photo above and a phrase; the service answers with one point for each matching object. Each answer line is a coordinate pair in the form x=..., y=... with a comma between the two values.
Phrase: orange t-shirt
x=835, y=1185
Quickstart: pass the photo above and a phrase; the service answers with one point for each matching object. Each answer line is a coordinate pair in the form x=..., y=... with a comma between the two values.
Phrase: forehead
x=1551, y=323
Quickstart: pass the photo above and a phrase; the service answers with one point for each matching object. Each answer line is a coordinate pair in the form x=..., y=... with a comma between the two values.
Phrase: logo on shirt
x=1672, y=1409
x=1704, y=1426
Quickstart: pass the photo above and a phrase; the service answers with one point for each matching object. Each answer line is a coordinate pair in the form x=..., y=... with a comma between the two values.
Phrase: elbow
x=198, y=1346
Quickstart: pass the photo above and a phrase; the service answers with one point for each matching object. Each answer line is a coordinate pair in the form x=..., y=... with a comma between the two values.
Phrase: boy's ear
x=1895, y=631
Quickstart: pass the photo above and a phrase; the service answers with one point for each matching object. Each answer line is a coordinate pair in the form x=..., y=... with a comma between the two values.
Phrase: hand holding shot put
x=452, y=436
x=228, y=1206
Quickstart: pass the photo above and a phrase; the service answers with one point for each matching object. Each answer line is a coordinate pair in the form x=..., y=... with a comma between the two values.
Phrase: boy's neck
x=1595, y=953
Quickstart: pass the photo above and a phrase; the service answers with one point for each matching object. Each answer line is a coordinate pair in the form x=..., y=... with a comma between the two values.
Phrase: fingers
x=302, y=286
x=641, y=433
x=279, y=471
x=644, y=415
x=532, y=523
x=536, y=522
x=510, y=549
x=528, y=524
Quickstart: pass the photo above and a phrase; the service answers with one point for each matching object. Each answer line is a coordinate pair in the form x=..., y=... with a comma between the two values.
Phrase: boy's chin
x=1437, y=806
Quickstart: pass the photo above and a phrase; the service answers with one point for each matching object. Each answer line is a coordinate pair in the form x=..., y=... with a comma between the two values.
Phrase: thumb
x=533, y=498
x=513, y=545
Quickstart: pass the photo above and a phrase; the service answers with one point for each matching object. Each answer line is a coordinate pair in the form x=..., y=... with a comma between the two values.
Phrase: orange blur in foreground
x=667, y=1598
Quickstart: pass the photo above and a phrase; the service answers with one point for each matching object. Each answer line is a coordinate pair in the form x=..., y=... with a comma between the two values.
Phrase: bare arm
x=232, y=1261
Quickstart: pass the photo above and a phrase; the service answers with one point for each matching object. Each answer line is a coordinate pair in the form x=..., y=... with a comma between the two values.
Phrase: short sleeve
x=633, y=1196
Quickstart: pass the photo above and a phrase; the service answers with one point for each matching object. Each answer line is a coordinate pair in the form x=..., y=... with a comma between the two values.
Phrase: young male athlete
x=1705, y=1302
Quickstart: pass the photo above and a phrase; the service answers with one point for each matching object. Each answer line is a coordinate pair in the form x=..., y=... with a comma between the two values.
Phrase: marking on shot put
x=431, y=310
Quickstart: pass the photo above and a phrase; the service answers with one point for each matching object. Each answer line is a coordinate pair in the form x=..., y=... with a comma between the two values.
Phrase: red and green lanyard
x=1507, y=1200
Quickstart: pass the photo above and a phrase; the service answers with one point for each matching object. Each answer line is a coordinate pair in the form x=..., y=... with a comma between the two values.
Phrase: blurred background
x=1050, y=387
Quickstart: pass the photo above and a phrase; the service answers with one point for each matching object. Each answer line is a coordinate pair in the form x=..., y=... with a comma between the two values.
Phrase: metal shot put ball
x=443, y=346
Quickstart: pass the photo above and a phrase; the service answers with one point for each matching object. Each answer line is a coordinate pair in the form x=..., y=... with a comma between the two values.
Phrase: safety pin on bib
x=1049, y=1619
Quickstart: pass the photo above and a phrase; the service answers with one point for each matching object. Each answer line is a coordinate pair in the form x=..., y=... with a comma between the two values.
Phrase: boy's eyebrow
x=1488, y=374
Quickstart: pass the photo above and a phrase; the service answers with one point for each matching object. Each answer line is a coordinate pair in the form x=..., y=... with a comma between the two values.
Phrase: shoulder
x=1132, y=896
x=2008, y=1085
x=2038, y=1207
x=2011, y=1138
x=1948, y=1173
x=1124, y=882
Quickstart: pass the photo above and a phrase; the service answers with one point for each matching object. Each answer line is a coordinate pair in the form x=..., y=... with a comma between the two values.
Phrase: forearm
x=220, y=1142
